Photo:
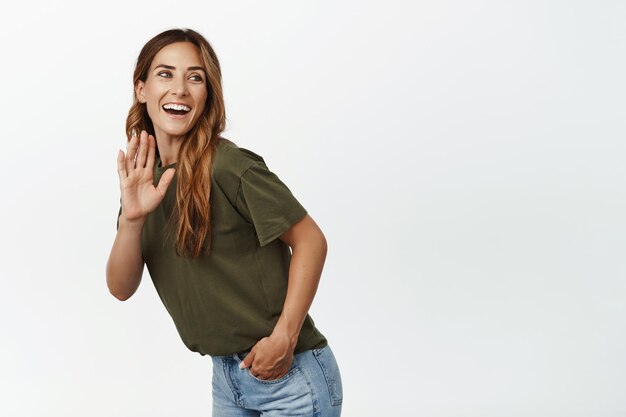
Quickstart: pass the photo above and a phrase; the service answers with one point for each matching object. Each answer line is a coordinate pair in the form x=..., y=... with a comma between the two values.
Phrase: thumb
x=247, y=361
x=165, y=180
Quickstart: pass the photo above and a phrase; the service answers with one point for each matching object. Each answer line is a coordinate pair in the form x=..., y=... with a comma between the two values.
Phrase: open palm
x=136, y=170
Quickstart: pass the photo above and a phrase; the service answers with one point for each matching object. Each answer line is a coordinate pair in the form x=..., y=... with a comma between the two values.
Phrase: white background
x=465, y=160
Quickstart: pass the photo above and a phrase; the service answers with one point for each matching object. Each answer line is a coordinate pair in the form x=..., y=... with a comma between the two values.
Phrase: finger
x=271, y=377
x=248, y=360
x=260, y=375
x=274, y=377
x=121, y=170
x=134, y=150
x=130, y=159
x=151, y=152
x=140, y=160
x=165, y=181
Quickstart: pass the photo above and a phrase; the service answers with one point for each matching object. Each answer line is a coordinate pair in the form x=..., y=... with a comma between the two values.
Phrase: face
x=172, y=78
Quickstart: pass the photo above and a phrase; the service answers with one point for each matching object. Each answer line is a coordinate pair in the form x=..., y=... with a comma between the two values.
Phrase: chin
x=173, y=129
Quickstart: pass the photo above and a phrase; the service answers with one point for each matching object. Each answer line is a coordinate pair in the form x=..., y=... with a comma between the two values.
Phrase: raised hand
x=136, y=170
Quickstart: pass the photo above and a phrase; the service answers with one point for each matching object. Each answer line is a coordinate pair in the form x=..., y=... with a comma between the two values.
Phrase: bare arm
x=125, y=265
x=309, y=248
x=139, y=198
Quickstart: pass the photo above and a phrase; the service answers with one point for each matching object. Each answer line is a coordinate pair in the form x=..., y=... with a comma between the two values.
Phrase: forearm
x=125, y=264
x=305, y=270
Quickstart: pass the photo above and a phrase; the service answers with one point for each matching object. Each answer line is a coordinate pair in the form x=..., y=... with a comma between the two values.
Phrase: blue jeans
x=312, y=388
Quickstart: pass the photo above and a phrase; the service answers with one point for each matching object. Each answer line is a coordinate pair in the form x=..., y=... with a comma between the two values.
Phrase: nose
x=179, y=87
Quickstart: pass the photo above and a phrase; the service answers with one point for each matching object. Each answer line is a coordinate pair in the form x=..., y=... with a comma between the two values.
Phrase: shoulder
x=232, y=161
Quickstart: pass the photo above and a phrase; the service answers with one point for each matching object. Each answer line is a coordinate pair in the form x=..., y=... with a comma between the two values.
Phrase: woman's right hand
x=136, y=173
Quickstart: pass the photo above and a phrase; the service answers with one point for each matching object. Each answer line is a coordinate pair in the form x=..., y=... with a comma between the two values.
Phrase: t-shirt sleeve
x=267, y=203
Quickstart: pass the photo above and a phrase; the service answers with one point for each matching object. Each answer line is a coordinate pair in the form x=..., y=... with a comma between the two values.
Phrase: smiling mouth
x=175, y=112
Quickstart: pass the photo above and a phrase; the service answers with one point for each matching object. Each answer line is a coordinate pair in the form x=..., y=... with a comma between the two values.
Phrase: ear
x=139, y=91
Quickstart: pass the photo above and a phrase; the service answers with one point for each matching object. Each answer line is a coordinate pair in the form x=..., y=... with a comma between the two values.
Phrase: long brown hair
x=199, y=145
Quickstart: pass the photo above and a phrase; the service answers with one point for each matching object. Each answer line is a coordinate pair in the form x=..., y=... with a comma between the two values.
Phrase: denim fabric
x=312, y=388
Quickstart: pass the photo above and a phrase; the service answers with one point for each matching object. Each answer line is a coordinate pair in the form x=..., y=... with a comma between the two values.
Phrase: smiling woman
x=175, y=98
x=234, y=256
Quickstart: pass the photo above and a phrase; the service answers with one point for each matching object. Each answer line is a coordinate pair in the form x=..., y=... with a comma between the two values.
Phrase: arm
x=309, y=247
x=125, y=265
x=139, y=197
x=309, y=250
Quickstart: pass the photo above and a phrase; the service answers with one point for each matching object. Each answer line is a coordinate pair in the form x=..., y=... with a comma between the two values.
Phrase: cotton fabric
x=227, y=301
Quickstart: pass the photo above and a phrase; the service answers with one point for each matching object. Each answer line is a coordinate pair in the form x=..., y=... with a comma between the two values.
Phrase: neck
x=168, y=148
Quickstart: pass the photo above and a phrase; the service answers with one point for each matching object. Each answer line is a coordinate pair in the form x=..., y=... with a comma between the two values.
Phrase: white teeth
x=176, y=107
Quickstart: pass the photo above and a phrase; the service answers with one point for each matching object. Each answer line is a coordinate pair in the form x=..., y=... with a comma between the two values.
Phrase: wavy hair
x=195, y=158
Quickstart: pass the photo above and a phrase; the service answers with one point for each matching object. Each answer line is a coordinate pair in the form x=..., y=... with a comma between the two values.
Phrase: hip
x=312, y=386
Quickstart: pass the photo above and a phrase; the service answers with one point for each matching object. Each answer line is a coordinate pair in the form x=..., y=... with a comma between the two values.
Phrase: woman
x=233, y=255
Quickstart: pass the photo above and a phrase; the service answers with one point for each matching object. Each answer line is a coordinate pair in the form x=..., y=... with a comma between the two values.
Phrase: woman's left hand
x=270, y=358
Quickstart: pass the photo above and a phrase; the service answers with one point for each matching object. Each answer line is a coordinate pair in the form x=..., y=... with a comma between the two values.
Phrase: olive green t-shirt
x=225, y=302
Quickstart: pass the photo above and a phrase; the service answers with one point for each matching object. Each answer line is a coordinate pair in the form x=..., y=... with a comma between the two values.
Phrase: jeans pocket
x=294, y=368
x=328, y=363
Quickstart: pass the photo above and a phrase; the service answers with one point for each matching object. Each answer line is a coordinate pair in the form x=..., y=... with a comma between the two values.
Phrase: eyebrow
x=173, y=68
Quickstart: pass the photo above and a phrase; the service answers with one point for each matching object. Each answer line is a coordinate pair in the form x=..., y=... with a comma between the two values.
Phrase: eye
x=199, y=78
